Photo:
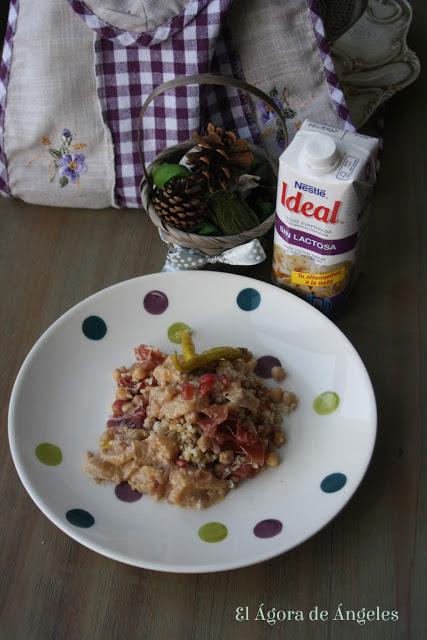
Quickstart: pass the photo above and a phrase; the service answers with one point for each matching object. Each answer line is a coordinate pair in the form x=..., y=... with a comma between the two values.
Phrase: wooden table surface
x=372, y=554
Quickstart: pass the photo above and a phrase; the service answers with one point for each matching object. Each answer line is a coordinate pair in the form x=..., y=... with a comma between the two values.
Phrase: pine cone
x=220, y=157
x=182, y=202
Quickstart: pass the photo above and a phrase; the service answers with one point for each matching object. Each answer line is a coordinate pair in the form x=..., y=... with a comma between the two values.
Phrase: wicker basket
x=209, y=245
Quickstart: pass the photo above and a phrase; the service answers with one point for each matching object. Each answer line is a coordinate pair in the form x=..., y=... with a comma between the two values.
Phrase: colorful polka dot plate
x=61, y=397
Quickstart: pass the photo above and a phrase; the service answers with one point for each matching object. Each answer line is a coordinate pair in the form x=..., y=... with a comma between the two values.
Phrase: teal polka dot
x=80, y=518
x=248, y=299
x=94, y=328
x=333, y=482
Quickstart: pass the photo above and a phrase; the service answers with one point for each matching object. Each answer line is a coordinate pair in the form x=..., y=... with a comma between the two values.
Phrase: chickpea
x=121, y=393
x=276, y=394
x=221, y=470
x=272, y=459
x=226, y=457
x=204, y=443
x=278, y=373
x=126, y=407
x=138, y=374
x=290, y=399
x=279, y=438
x=116, y=375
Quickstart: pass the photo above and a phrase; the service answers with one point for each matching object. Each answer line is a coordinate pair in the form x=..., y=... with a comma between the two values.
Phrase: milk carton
x=326, y=179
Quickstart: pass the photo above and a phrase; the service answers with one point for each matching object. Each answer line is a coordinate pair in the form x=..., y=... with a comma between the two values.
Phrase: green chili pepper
x=207, y=357
x=187, y=344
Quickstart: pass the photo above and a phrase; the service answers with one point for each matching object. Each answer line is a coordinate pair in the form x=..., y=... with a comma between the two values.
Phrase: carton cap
x=320, y=152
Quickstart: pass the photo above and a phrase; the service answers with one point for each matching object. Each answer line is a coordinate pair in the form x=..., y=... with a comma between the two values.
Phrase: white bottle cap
x=320, y=152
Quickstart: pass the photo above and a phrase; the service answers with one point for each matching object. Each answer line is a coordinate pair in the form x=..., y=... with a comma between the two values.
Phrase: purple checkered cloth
x=130, y=65
x=4, y=79
x=335, y=90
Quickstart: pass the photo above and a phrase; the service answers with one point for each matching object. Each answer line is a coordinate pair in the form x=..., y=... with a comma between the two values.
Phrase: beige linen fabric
x=279, y=53
x=52, y=86
x=136, y=15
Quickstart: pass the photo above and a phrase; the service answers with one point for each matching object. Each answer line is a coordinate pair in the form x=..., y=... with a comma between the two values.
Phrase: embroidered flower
x=66, y=133
x=71, y=166
x=268, y=115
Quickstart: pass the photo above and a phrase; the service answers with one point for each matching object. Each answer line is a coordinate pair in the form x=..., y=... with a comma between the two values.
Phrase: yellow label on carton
x=318, y=279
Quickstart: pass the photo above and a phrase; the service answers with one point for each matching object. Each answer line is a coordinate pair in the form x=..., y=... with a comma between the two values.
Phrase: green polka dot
x=49, y=453
x=175, y=329
x=213, y=532
x=325, y=403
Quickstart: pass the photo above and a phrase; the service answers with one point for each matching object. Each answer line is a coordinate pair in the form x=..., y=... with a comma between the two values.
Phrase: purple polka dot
x=268, y=528
x=156, y=302
x=264, y=366
x=125, y=493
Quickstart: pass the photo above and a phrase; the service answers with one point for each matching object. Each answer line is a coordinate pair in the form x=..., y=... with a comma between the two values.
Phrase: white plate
x=64, y=388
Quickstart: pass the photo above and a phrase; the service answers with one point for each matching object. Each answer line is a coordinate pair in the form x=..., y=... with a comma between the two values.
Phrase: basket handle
x=206, y=78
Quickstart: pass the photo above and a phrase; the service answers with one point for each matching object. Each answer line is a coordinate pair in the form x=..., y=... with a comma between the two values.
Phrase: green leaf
x=165, y=172
x=207, y=228
x=63, y=181
x=264, y=209
x=263, y=170
x=230, y=212
x=55, y=153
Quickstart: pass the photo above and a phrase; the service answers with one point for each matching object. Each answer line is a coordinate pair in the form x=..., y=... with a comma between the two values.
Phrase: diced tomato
x=187, y=391
x=207, y=381
x=181, y=463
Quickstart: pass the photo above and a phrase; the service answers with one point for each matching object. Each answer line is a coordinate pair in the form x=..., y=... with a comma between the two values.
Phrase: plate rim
x=159, y=566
